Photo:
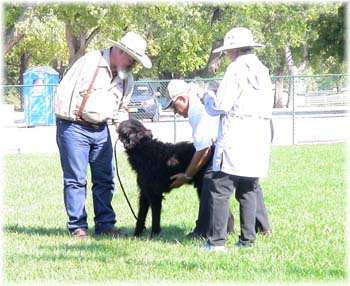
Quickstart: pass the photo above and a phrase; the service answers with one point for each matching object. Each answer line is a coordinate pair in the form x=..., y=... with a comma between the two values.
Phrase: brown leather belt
x=88, y=124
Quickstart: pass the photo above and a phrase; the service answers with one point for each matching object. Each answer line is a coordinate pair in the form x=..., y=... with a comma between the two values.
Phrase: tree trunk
x=12, y=38
x=278, y=101
x=77, y=44
x=213, y=64
x=294, y=70
x=291, y=72
x=25, y=59
x=214, y=60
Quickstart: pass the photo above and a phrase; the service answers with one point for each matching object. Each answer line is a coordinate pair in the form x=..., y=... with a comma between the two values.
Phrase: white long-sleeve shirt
x=204, y=126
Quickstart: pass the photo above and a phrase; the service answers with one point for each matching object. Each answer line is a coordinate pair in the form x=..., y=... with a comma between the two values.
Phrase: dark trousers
x=202, y=223
x=252, y=208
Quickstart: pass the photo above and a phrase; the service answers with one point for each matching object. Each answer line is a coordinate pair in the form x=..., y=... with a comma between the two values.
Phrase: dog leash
x=120, y=182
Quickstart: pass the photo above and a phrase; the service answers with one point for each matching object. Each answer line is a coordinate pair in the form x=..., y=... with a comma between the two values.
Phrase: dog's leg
x=141, y=217
x=230, y=223
x=156, y=206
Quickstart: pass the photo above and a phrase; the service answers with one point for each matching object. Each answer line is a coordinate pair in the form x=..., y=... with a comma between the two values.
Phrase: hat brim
x=230, y=47
x=143, y=59
x=167, y=105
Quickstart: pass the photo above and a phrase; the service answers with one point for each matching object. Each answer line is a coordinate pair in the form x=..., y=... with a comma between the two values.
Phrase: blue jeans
x=80, y=146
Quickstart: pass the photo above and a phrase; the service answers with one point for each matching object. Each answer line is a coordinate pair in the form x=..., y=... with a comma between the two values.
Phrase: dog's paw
x=155, y=233
x=139, y=230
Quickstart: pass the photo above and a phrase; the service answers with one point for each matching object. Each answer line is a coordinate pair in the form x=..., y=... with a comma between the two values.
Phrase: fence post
x=175, y=127
x=294, y=99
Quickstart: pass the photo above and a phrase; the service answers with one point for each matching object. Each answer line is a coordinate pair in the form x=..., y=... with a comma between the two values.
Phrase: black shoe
x=244, y=244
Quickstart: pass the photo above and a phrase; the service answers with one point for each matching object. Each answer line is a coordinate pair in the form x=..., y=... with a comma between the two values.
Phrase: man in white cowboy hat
x=184, y=99
x=244, y=102
x=95, y=89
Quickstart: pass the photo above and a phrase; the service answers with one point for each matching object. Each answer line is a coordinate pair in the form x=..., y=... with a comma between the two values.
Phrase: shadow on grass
x=35, y=230
x=169, y=234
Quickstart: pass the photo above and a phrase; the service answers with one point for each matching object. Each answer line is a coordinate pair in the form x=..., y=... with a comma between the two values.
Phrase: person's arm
x=222, y=102
x=198, y=161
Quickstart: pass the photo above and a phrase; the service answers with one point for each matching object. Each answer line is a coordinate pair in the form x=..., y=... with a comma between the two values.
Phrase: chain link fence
x=296, y=98
x=301, y=90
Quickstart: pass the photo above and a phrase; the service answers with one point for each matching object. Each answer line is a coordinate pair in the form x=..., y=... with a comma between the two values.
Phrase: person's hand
x=121, y=115
x=179, y=180
x=206, y=93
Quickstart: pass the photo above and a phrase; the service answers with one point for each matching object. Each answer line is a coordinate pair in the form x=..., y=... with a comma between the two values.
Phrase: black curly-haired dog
x=154, y=163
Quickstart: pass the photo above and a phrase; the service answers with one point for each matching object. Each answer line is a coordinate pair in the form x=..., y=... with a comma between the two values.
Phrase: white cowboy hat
x=178, y=87
x=135, y=46
x=238, y=38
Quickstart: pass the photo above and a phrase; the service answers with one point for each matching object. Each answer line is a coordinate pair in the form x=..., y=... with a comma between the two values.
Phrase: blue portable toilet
x=40, y=84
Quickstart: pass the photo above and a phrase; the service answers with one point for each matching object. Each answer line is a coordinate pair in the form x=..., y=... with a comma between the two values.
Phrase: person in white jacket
x=244, y=102
x=93, y=91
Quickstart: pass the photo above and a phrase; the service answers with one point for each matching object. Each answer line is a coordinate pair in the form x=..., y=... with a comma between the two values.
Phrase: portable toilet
x=40, y=84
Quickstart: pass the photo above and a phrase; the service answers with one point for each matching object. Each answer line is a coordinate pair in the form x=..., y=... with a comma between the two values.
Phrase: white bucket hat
x=178, y=87
x=238, y=38
x=135, y=46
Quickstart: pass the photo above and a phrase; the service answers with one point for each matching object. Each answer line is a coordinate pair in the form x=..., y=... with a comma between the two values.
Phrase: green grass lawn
x=305, y=195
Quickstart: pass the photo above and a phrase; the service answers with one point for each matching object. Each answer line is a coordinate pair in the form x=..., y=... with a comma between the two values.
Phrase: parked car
x=143, y=102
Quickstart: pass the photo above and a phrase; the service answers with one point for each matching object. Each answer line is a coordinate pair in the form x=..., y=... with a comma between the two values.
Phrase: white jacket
x=106, y=95
x=244, y=101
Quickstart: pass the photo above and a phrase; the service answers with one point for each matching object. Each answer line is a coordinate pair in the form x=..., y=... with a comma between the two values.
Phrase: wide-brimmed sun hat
x=135, y=46
x=238, y=38
x=178, y=87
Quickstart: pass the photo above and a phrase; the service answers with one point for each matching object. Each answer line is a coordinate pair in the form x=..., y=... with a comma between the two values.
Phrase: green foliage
x=13, y=96
x=327, y=47
x=305, y=195
x=12, y=12
x=44, y=43
x=181, y=36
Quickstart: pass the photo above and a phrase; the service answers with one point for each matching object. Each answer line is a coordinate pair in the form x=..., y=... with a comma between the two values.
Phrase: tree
x=327, y=47
x=15, y=16
x=180, y=37
x=286, y=30
x=81, y=24
x=42, y=44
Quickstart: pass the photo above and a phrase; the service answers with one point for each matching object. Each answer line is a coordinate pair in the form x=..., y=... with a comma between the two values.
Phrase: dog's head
x=132, y=132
